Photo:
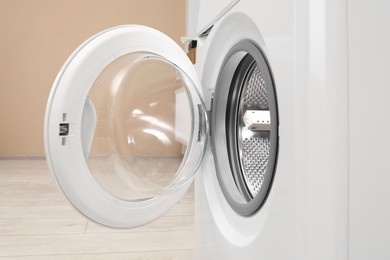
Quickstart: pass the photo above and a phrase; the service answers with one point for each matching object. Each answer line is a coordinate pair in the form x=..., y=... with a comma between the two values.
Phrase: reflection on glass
x=143, y=126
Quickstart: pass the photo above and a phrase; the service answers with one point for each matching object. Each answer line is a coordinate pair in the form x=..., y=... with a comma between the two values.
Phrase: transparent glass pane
x=144, y=130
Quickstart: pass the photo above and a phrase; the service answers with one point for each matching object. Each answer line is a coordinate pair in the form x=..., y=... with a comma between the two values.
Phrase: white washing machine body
x=319, y=204
x=306, y=213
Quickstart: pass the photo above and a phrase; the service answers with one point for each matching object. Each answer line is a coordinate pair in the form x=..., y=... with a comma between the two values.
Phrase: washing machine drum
x=245, y=128
x=126, y=128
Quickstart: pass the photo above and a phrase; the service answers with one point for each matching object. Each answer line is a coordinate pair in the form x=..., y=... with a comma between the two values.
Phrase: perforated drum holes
x=255, y=95
x=254, y=161
x=253, y=143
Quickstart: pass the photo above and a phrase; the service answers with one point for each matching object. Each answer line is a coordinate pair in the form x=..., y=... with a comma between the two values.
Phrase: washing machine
x=261, y=122
x=304, y=214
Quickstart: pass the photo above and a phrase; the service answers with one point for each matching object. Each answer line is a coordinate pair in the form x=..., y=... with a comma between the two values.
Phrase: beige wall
x=37, y=37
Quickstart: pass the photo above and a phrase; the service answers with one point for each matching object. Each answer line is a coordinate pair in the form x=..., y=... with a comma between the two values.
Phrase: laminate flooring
x=36, y=222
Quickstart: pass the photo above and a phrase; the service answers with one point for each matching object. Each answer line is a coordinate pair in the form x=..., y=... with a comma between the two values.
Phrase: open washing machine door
x=125, y=126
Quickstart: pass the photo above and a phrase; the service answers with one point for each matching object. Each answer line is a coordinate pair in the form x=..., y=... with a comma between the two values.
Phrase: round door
x=125, y=126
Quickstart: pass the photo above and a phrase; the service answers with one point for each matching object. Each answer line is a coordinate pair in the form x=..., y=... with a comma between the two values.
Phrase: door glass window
x=143, y=135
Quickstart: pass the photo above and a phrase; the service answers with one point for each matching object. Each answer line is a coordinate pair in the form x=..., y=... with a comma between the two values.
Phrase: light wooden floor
x=36, y=222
